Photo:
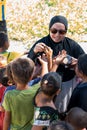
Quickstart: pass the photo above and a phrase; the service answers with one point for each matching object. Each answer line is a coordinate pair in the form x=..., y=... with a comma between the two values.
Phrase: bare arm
x=7, y=120
x=49, y=52
x=37, y=128
x=44, y=64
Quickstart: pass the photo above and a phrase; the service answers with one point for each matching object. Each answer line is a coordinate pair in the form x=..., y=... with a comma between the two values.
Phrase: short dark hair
x=5, y=81
x=77, y=117
x=82, y=64
x=2, y=73
x=22, y=69
x=60, y=125
x=3, y=38
x=51, y=83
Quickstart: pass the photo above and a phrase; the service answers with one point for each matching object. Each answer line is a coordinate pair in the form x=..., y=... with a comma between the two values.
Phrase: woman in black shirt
x=57, y=41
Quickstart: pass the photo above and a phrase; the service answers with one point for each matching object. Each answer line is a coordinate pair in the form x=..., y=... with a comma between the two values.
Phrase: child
x=2, y=89
x=79, y=95
x=45, y=110
x=4, y=45
x=60, y=125
x=63, y=98
x=18, y=102
x=77, y=117
x=8, y=79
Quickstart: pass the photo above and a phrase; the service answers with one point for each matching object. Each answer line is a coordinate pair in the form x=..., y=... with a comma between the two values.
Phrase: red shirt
x=2, y=89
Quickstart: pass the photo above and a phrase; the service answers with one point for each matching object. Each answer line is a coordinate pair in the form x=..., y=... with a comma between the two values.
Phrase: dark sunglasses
x=54, y=31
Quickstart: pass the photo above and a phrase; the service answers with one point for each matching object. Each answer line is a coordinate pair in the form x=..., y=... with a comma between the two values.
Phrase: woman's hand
x=48, y=51
x=39, y=47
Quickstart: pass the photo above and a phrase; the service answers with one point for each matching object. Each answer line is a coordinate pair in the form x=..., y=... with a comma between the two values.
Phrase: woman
x=57, y=40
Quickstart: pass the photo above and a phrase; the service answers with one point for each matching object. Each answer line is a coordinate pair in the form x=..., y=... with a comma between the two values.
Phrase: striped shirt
x=2, y=9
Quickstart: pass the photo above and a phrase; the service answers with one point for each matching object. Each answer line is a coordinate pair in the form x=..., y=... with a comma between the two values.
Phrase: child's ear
x=9, y=83
x=58, y=91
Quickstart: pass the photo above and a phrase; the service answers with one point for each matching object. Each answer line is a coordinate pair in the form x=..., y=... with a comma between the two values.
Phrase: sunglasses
x=54, y=31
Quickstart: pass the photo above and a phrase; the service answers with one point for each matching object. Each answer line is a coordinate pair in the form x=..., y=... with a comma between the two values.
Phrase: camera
x=37, y=62
x=67, y=60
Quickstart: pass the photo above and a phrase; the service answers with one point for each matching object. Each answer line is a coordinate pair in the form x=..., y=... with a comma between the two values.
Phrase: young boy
x=4, y=45
x=17, y=103
x=45, y=110
x=77, y=117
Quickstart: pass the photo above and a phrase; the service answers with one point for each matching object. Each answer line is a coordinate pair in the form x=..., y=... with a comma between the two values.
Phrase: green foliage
x=85, y=30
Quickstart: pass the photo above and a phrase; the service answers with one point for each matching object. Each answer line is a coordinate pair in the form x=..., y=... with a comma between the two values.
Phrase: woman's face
x=57, y=32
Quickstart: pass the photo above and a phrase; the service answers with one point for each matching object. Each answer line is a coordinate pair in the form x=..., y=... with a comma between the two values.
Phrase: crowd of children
x=28, y=91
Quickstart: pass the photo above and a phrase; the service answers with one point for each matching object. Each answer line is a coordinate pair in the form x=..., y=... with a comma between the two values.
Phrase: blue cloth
x=34, y=81
x=10, y=88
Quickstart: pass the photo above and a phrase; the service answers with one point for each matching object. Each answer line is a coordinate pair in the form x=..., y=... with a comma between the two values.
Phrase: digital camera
x=67, y=60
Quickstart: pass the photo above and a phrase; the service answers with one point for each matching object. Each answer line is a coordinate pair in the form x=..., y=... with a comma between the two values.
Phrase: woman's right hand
x=39, y=47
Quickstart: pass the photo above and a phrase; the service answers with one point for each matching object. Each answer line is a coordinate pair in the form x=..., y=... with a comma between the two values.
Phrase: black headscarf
x=59, y=19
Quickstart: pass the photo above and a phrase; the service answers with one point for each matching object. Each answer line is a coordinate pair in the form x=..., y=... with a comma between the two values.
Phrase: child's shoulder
x=35, y=87
x=81, y=85
x=13, y=55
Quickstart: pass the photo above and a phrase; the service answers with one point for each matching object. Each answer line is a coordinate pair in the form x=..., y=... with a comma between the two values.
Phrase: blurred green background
x=29, y=20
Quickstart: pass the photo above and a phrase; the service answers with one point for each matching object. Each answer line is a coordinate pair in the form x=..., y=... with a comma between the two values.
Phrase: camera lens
x=67, y=60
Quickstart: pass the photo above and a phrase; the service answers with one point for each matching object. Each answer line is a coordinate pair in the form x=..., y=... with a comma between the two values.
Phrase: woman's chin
x=56, y=41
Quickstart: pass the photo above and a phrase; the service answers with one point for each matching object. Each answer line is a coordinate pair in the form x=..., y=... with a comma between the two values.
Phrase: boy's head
x=51, y=83
x=4, y=43
x=81, y=67
x=22, y=69
x=60, y=125
x=77, y=117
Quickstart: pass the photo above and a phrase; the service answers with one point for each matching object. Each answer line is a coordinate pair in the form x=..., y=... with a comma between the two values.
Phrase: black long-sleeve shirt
x=73, y=49
x=79, y=97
